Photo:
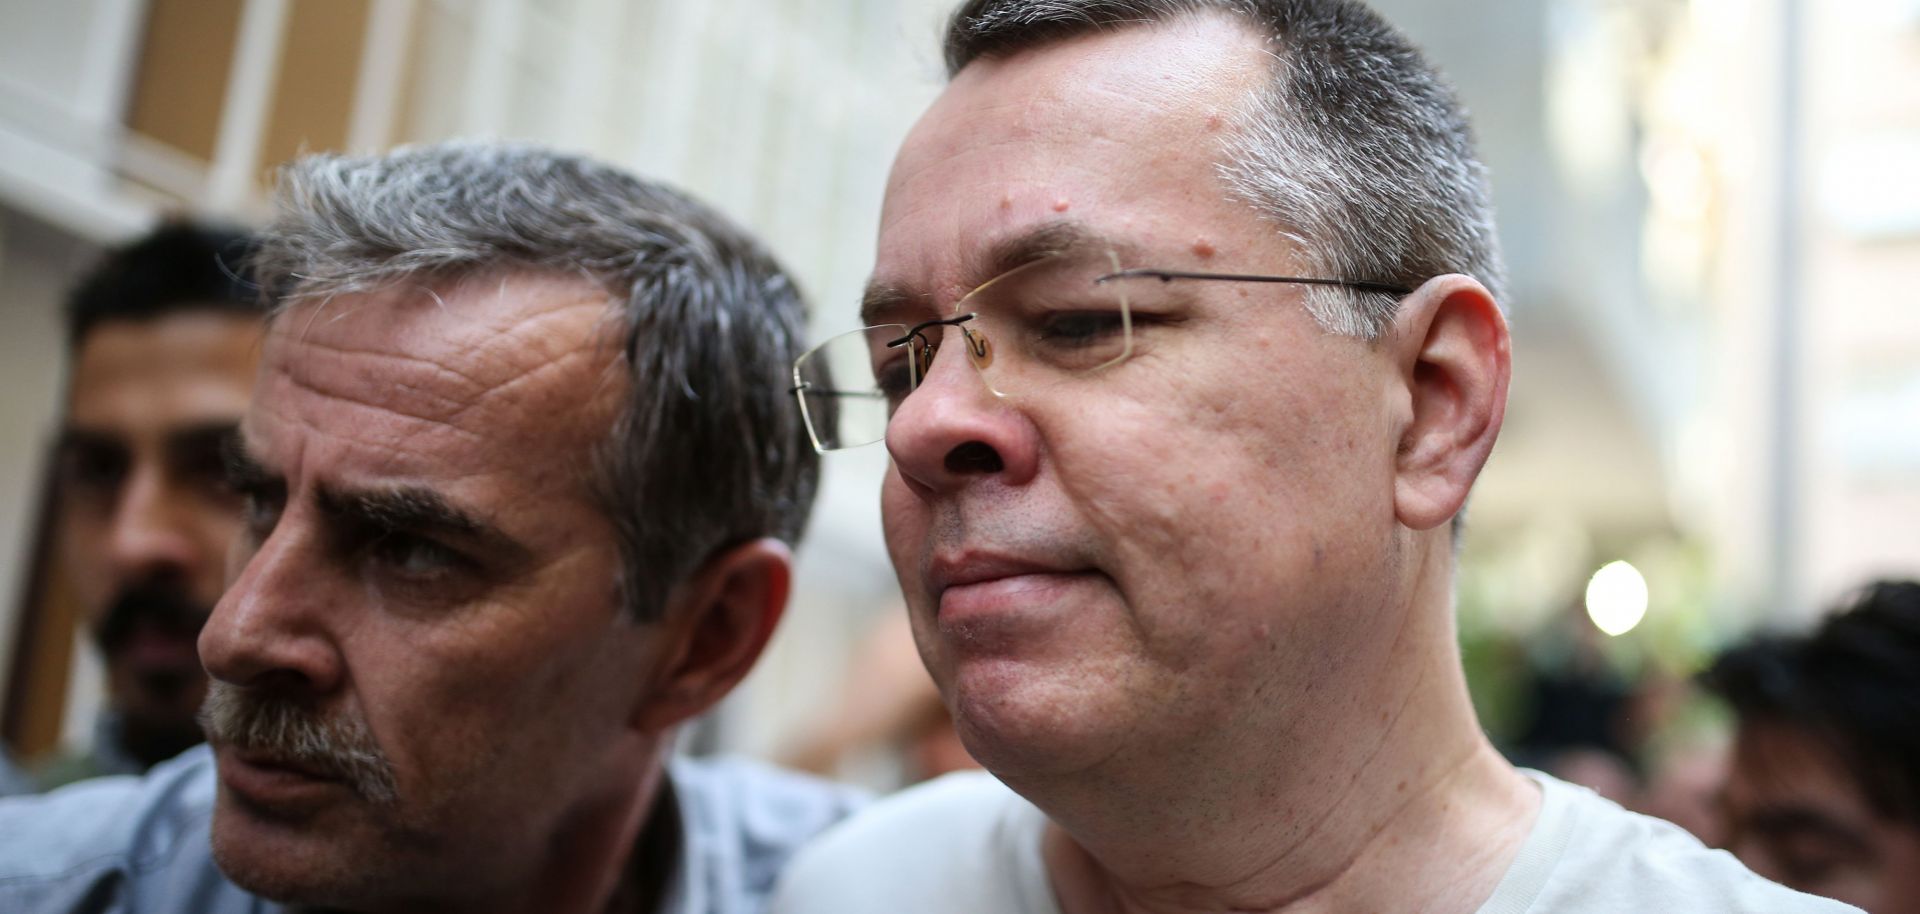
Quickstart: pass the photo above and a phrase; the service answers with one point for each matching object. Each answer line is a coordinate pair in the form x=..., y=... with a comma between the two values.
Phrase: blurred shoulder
x=12, y=779
x=963, y=842
x=742, y=821
x=759, y=798
x=117, y=843
x=123, y=815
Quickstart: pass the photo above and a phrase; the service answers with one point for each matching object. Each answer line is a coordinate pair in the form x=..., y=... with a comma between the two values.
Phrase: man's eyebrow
x=245, y=472
x=403, y=508
x=413, y=509
x=1048, y=239
x=880, y=301
x=71, y=437
x=216, y=433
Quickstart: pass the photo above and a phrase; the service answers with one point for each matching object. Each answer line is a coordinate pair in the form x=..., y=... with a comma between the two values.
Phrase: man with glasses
x=516, y=481
x=1186, y=346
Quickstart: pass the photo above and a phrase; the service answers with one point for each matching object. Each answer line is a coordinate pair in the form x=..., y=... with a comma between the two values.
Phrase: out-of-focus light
x=1893, y=13
x=1866, y=186
x=1617, y=598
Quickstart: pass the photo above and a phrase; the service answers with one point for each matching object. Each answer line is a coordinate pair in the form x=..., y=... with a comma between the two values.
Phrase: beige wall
x=1862, y=314
x=181, y=78
x=37, y=263
x=313, y=98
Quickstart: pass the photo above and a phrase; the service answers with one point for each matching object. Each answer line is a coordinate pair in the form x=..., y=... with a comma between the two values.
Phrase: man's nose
x=953, y=428
x=149, y=538
x=271, y=629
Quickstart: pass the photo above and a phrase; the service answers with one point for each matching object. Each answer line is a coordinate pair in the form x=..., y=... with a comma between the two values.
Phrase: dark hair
x=1357, y=151
x=708, y=451
x=180, y=266
x=1854, y=682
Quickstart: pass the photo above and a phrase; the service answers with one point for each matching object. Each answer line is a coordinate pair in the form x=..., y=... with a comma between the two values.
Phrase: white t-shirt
x=965, y=844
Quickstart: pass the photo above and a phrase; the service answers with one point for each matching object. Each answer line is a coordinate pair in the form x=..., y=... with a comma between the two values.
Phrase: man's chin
x=285, y=862
x=1021, y=723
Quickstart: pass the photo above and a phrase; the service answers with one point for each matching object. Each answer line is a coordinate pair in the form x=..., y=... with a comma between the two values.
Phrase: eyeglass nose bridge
x=923, y=349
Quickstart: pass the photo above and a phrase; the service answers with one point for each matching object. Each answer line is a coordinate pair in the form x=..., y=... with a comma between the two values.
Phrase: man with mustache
x=519, y=477
x=165, y=336
x=1184, y=339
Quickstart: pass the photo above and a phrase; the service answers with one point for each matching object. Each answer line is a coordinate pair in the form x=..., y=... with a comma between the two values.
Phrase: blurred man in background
x=1187, y=315
x=1824, y=794
x=165, y=337
x=518, y=479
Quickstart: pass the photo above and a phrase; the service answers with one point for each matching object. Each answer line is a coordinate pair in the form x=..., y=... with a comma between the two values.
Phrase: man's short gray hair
x=707, y=452
x=1357, y=150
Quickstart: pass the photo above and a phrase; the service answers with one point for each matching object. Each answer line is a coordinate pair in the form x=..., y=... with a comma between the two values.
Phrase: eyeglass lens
x=1039, y=325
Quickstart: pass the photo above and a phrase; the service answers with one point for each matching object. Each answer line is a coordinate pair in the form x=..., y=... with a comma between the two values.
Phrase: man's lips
x=274, y=762
x=275, y=781
x=979, y=584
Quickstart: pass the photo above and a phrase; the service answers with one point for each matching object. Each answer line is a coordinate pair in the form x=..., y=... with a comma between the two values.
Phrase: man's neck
x=620, y=866
x=1403, y=805
x=616, y=854
x=655, y=857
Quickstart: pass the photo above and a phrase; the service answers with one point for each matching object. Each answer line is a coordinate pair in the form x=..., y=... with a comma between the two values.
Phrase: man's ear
x=1451, y=344
x=716, y=625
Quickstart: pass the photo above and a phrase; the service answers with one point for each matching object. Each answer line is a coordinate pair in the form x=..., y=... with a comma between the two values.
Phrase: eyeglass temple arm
x=1168, y=275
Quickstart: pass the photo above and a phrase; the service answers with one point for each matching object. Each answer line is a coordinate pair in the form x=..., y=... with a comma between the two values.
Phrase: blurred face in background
x=1796, y=815
x=145, y=515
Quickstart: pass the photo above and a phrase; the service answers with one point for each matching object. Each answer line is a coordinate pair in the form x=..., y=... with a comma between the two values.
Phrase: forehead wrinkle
x=303, y=369
x=396, y=398
x=600, y=302
x=540, y=373
x=563, y=377
x=492, y=307
x=501, y=427
x=443, y=393
x=294, y=417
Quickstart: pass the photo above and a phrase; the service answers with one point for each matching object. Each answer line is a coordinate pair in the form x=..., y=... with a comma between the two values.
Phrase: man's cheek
x=902, y=520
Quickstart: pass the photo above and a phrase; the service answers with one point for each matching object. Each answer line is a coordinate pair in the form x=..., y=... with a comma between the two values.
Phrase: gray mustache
x=340, y=747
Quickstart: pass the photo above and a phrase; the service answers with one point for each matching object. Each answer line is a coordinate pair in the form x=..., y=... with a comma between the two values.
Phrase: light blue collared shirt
x=127, y=845
x=12, y=779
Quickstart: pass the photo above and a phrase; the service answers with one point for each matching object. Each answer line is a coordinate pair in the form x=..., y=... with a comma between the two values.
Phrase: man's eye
x=1809, y=860
x=205, y=469
x=1806, y=873
x=894, y=380
x=94, y=469
x=1072, y=329
x=261, y=506
x=415, y=557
